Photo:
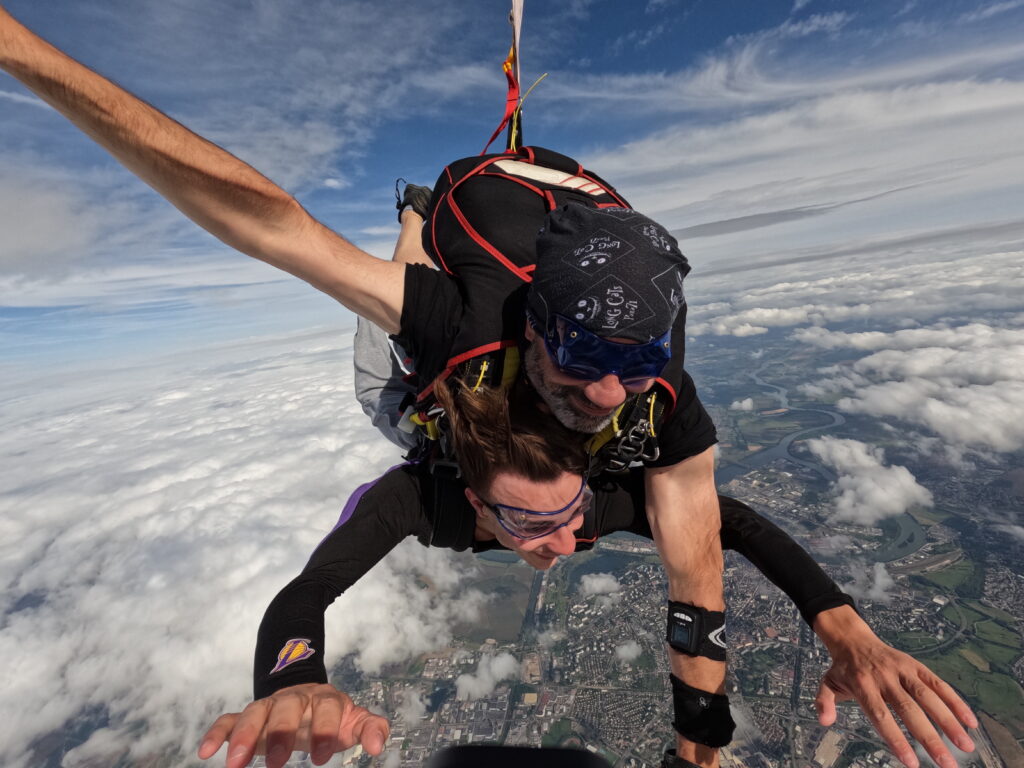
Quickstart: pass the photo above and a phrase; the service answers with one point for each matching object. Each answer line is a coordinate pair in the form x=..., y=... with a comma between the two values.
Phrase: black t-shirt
x=432, y=314
x=404, y=502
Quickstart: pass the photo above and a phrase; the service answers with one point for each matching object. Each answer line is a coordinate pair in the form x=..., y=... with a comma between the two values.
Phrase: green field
x=930, y=516
x=560, y=731
x=768, y=430
x=914, y=641
x=988, y=610
x=997, y=694
x=994, y=633
x=952, y=577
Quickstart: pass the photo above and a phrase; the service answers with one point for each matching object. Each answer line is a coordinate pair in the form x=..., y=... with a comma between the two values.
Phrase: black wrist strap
x=700, y=716
x=672, y=760
x=696, y=631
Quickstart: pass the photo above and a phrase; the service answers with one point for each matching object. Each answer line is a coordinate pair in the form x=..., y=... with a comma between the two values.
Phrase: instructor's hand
x=885, y=681
x=314, y=718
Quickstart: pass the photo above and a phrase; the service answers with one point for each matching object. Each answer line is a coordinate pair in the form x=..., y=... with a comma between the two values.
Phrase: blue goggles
x=584, y=355
x=528, y=524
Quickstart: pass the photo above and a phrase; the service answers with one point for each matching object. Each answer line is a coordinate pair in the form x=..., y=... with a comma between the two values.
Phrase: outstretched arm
x=880, y=678
x=885, y=681
x=294, y=707
x=682, y=509
x=219, y=192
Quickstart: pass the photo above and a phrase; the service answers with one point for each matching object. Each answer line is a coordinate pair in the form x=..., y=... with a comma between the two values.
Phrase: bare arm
x=219, y=192
x=682, y=508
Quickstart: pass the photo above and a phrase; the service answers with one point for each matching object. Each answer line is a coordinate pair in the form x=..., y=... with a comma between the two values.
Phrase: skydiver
x=244, y=209
x=510, y=475
x=247, y=211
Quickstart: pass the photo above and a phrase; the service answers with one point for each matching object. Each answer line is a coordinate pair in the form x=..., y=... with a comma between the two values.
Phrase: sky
x=178, y=429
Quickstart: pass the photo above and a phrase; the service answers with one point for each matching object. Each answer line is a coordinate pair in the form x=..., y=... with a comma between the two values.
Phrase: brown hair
x=503, y=430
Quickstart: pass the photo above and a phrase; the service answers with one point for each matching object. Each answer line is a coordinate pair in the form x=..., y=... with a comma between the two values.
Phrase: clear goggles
x=531, y=524
x=584, y=355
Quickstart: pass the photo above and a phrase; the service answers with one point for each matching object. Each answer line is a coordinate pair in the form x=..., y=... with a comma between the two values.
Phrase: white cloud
x=1014, y=531
x=491, y=671
x=831, y=545
x=742, y=405
x=993, y=9
x=549, y=637
x=147, y=517
x=628, y=651
x=21, y=98
x=599, y=584
x=867, y=490
x=963, y=383
x=873, y=585
x=413, y=707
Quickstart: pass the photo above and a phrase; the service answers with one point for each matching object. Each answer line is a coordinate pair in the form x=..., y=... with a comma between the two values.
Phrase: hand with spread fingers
x=887, y=684
x=314, y=718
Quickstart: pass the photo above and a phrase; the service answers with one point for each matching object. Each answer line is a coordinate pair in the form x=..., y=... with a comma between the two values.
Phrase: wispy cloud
x=993, y=9
x=20, y=98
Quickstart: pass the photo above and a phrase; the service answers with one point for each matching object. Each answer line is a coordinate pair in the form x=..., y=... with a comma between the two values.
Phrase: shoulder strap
x=633, y=432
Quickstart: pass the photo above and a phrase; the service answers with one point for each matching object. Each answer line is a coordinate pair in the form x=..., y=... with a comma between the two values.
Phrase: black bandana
x=611, y=270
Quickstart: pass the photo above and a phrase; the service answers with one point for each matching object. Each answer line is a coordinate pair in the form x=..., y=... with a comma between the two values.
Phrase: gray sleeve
x=379, y=383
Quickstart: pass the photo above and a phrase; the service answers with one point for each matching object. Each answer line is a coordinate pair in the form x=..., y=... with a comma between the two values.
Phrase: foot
x=415, y=197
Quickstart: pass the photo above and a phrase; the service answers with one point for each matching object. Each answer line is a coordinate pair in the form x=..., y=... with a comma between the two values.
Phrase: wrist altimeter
x=696, y=631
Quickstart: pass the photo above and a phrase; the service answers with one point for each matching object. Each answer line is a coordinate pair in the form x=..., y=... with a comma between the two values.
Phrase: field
x=508, y=587
x=768, y=430
x=976, y=660
x=929, y=516
x=952, y=577
x=560, y=731
x=996, y=694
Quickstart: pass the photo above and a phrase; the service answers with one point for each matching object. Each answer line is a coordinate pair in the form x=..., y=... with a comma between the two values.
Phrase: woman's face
x=565, y=493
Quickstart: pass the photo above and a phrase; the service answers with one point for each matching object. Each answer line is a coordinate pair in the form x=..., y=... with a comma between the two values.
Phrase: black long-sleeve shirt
x=406, y=500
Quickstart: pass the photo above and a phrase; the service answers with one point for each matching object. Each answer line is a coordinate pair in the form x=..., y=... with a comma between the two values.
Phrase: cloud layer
x=147, y=520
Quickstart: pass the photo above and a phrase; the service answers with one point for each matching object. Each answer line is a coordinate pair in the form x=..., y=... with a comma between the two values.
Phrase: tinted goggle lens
x=583, y=355
x=531, y=524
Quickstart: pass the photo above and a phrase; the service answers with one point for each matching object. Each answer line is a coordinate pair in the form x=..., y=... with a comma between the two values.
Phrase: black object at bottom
x=489, y=756
x=701, y=717
x=672, y=760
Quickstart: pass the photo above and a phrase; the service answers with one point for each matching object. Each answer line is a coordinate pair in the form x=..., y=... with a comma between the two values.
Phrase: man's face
x=585, y=406
x=518, y=491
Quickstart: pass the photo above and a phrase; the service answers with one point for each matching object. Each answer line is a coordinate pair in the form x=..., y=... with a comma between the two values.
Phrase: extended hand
x=885, y=681
x=317, y=718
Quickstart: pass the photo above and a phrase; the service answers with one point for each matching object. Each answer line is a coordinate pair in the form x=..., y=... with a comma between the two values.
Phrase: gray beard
x=558, y=396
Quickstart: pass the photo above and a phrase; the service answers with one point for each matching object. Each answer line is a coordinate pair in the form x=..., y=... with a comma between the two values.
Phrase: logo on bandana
x=613, y=306
x=294, y=650
x=622, y=214
x=670, y=285
x=658, y=237
x=598, y=252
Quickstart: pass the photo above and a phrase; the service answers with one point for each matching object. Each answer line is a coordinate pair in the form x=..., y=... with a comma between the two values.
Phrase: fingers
x=950, y=698
x=283, y=724
x=328, y=709
x=878, y=713
x=246, y=732
x=217, y=735
x=944, y=707
x=825, y=703
x=362, y=726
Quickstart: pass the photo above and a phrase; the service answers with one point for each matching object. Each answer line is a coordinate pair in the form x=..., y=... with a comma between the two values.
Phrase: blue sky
x=701, y=112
